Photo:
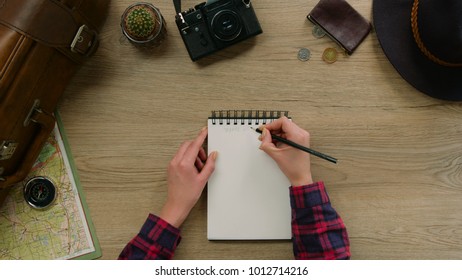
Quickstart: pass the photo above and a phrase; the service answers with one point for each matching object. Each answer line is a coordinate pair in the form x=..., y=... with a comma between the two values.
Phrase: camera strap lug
x=246, y=3
x=180, y=15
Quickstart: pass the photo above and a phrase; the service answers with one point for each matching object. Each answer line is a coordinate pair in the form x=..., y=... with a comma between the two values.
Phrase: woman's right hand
x=294, y=163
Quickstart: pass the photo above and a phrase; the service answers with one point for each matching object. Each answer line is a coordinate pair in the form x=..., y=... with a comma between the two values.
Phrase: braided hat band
x=420, y=43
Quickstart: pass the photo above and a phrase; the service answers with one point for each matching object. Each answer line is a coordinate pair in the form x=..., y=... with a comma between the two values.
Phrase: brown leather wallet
x=341, y=22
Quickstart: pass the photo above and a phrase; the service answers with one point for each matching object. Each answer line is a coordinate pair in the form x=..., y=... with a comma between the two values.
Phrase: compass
x=40, y=192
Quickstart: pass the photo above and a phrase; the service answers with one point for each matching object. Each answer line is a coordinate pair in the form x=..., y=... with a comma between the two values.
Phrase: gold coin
x=329, y=55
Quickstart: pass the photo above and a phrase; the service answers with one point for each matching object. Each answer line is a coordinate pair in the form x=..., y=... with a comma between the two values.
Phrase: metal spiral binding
x=255, y=117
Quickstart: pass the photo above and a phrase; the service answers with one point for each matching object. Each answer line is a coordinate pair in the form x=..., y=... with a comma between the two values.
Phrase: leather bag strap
x=51, y=23
x=46, y=122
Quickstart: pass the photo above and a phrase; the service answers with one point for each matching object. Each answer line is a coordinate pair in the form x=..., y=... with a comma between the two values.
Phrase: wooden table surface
x=398, y=183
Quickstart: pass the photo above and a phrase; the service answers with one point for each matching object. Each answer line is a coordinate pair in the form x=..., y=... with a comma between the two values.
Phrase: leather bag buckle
x=85, y=41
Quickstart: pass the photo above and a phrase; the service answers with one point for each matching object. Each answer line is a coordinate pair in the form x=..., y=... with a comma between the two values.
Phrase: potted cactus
x=143, y=25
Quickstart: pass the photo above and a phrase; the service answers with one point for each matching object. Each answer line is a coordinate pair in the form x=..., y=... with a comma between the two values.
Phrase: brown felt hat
x=423, y=41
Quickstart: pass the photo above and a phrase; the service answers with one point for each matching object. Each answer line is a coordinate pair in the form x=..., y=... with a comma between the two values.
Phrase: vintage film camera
x=214, y=25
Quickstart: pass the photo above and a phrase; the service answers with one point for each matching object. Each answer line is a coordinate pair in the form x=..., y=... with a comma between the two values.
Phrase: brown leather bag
x=42, y=44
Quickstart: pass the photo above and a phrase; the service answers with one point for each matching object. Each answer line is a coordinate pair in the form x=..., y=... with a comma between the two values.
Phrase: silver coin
x=318, y=32
x=304, y=54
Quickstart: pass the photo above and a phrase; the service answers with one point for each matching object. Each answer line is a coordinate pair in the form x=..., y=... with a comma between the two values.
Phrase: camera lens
x=226, y=25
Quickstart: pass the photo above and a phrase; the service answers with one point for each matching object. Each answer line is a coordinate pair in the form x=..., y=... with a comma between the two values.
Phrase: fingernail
x=214, y=155
x=204, y=128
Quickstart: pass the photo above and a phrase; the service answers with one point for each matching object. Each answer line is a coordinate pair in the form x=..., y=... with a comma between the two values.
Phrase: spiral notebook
x=247, y=195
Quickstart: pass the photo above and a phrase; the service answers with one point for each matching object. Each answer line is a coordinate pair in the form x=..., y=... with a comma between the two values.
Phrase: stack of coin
x=329, y=55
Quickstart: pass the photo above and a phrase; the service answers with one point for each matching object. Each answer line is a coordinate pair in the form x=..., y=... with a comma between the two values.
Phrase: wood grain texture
x=398, y=183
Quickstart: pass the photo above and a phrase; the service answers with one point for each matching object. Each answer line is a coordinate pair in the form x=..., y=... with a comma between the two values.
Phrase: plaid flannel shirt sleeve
x=157, y=240
x=318, y=232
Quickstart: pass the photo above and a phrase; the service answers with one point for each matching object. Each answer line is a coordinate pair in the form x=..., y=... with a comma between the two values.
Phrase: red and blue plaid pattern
x=318, y=231
x=157, y=240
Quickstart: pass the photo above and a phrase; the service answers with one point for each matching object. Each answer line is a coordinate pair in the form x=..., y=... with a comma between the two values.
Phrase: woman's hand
x=187, y=175
x=294, y=163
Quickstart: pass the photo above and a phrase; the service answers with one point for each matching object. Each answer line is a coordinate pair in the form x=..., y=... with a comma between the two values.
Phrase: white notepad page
x=247, y=195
